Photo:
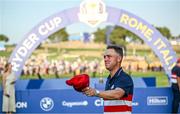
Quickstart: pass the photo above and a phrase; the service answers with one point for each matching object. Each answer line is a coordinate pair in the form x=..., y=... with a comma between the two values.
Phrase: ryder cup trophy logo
x=92, y=12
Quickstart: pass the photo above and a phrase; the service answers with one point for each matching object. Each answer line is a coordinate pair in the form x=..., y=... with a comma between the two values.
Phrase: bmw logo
x=46, y=104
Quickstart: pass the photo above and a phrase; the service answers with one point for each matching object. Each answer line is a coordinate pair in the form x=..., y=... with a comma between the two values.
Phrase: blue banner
x=145, y=100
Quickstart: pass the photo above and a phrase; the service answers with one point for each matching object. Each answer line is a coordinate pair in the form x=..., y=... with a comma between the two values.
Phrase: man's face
x=178, y=64
x=111, y=59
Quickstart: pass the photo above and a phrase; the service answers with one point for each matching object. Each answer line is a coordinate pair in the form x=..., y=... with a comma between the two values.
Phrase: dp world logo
x=46, y=104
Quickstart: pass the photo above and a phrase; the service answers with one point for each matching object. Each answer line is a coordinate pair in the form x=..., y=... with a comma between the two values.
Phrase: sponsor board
x=157, y=100
x=46, y=104
x=21, y=105
x=72, y=104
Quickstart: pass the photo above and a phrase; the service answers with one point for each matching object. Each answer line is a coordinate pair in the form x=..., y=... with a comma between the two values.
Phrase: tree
x=117, y=36
x=4, y=38
x=60, y=35
x=178, y=36
x=165, y=32
x=135, y=38
x=100, y=36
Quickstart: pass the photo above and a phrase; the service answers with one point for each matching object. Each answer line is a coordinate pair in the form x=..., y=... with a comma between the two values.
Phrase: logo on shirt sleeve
x=112, y=87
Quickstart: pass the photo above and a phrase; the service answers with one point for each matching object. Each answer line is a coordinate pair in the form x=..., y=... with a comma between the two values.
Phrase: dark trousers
x=176, y=98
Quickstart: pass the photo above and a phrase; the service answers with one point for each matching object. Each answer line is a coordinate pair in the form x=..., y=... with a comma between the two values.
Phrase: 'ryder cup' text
x=32, y=41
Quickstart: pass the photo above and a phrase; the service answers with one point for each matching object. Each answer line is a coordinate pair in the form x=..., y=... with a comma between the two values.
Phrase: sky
x=18, y=17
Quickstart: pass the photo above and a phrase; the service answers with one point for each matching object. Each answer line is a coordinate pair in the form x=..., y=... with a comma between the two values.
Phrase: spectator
x=8, y=80
x=175, y=79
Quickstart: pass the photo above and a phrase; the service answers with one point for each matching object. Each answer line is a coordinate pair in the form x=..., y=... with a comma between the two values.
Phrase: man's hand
x=89, y=91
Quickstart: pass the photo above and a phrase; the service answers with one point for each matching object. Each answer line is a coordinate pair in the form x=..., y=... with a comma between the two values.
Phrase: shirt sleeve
x=178, y=71
x=124, y=83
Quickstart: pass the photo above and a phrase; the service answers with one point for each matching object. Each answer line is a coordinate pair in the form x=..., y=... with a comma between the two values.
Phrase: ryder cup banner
x=93, y=12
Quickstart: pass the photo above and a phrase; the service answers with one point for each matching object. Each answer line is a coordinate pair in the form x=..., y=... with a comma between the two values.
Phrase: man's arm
x=112, y=94
x=109, y=94
x=178, y=82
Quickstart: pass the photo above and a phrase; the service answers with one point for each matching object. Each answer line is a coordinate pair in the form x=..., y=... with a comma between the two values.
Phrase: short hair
x=117, y=49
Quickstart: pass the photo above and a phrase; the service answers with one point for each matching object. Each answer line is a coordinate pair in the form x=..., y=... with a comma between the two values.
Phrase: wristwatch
x=97, y=92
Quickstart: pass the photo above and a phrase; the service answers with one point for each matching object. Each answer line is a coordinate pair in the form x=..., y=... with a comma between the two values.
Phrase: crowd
x=41, y=66
x=44, y=66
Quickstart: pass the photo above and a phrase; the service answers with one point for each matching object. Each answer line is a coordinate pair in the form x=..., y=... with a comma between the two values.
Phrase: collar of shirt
x=110, y=81
x=116, y=74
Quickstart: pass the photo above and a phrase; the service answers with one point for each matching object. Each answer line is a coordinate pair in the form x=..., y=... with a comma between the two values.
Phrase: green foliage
x=118, y=35
x=165, y=32
x=4, y=38
x=100, y=36
x=178, y=36
x=60, y=35
x=5, y=54
x=161, y=78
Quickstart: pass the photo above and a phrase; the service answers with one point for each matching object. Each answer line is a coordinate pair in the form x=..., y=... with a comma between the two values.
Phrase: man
x=119, y=85
x=175, y=79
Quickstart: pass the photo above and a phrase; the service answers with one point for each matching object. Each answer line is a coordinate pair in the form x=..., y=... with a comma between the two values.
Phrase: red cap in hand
x=79, y=82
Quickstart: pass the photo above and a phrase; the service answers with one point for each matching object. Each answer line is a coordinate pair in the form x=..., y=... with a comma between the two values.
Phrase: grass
x=54, y=52
x=83, y=49
x=161, y=78
x=5, y=53
x=46, y=76
x=139, y=52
